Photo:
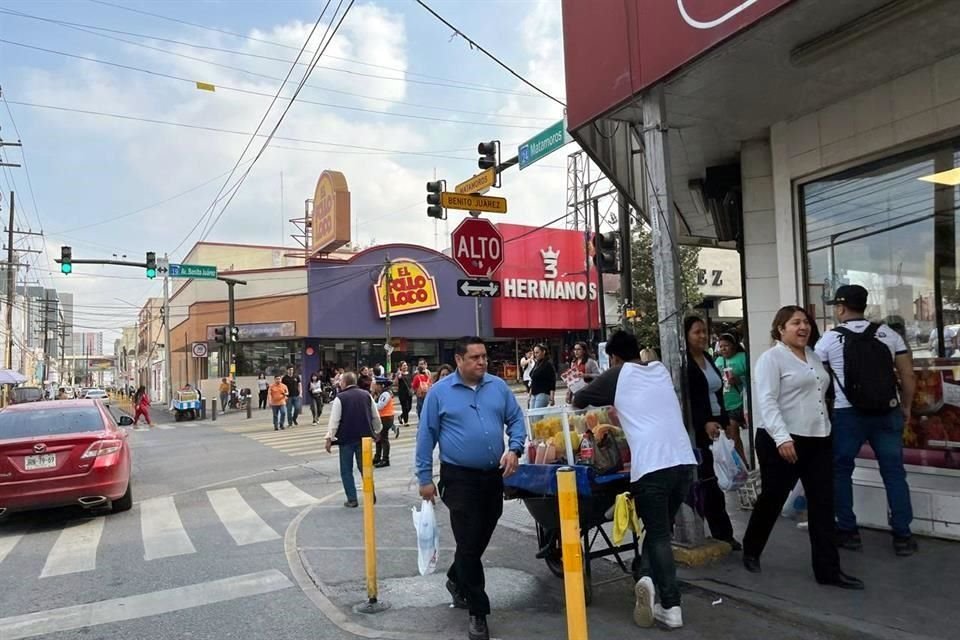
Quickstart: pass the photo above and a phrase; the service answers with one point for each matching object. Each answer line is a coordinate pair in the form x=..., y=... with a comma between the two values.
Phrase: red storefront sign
x=613, y=49
x=544, y=283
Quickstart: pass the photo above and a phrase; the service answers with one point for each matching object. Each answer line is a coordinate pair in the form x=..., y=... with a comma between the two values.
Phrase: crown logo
x=550, y=259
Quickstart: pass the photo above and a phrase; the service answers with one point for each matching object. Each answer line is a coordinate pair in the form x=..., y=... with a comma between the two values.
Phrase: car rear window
x=49, y=422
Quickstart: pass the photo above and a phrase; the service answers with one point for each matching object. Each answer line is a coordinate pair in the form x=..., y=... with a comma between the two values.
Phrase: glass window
x=49, y=422
x=272, y=358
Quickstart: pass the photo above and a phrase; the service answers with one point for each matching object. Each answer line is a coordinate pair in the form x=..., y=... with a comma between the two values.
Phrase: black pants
x=316, y=406
x=814, y=467
x=263, y=399
x=406, y=403
x=383, y=444
x=475, y=501
x=658, y=496
x=714, y=500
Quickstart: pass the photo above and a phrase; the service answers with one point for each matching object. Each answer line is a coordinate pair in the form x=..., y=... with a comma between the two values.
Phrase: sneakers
x=905, y=546
x=351, y=504
x=671, y=618
x=643, y=609
x=478, y=628
x=849, y=540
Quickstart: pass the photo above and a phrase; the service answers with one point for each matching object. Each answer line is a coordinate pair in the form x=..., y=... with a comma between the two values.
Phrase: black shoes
x=849, y=540
x=736, y=546
x=380, y=464
x=478, y=628
x=351, y=504
x=751, y=564
x=843, y=581
x=905, y=546
x=459, y=602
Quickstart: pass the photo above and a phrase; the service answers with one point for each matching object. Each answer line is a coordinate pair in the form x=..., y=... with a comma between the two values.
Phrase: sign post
x=543, y=144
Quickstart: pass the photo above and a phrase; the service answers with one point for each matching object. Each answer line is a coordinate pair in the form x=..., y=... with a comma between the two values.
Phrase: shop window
x=891, y=227
x=271, y=358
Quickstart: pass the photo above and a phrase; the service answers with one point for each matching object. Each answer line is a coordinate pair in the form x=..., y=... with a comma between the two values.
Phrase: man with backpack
x=866, y=360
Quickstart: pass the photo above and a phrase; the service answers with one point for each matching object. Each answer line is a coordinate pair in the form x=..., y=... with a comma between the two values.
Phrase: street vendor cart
x=186, y=406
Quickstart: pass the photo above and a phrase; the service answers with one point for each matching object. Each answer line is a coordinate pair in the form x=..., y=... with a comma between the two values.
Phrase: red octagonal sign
x=477, y=247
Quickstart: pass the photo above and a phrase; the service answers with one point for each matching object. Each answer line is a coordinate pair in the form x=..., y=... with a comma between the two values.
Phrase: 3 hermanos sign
x=330, y=223
x=412, y=289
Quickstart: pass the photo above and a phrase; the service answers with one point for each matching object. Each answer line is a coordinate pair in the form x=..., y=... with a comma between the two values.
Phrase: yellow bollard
x=572, y=554
x=372, y=605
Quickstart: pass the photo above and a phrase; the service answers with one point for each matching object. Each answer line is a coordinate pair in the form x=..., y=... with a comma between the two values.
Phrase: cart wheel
x=555, y=563
x=177, y=416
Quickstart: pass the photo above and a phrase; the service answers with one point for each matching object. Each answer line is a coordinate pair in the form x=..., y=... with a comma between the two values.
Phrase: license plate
x=42, y=461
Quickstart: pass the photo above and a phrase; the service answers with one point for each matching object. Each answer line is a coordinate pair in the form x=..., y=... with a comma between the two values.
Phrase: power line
x=488, y=54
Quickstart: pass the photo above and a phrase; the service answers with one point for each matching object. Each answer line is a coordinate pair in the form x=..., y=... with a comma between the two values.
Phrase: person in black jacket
x=543, y=379
x=709, y=418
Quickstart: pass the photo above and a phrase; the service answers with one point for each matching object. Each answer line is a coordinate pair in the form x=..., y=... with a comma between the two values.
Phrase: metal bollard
x=248, y=408
x=373, y=604
x=572, y=554
x=213, y=410
x=203, y=410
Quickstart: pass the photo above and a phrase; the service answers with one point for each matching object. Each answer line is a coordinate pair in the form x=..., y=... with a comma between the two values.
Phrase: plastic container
x=563, y=427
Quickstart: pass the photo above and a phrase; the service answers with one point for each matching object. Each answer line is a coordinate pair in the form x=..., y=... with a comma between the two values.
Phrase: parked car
x=70, y=452
x=19, y=395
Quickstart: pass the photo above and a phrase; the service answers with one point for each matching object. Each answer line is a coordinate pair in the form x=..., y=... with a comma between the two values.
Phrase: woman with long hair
x=709, y=417
x=543, y=379
x=262, y=384
x=583, y=363
x=316, y=397
x=141, y=406
x=404, y=394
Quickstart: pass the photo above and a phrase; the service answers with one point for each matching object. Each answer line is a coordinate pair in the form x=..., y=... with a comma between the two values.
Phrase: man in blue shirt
x=465, y=413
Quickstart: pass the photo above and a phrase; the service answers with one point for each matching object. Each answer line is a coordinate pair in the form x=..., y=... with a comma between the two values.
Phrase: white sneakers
x=645, y=612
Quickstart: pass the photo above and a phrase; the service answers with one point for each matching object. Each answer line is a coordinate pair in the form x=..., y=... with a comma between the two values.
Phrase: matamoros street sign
x=477, y=247
x=543, y=144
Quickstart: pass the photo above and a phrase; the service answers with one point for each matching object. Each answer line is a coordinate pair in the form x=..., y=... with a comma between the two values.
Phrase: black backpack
x=869, y=380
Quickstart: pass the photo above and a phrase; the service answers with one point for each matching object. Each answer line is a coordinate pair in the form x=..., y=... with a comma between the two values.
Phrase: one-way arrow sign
x=478, y=288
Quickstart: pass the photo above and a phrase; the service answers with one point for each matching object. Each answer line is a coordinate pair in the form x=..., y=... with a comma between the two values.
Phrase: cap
x=851, y=295
x=382, y=381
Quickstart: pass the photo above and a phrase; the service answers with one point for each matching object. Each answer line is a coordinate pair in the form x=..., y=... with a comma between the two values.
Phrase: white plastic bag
x=796, y=503
x=428, y=537
x=731, y=472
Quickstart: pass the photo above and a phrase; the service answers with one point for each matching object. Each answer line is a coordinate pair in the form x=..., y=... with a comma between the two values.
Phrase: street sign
x=543, y=144
x=199, y=349
x=163, y=266
x=473, y=203
x=478, y=288
x=479, y=183
x=197, y=271
x=477, y=247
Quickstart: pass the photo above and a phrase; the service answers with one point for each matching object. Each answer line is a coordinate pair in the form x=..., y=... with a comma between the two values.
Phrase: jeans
x=420, y=400
x=224, y=402
x=293, y=409
x=348, y=454
x=383, y=444
x=658, y=496
x=814, y=467
x=316, y=407
x=279, y=411
x=540, y=401
x=851, y=429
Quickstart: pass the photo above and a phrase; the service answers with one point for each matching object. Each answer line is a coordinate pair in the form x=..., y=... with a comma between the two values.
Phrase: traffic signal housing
x=434, y=189
x=151, y=265
x=220, y=335
x=607, y=252
x=489, y=154
x=234, y=334
x=66, y=260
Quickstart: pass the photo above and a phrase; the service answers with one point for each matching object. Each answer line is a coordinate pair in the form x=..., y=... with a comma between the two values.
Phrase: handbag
x=608, y=457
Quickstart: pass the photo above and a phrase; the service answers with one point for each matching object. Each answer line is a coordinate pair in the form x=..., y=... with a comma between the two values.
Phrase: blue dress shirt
x=468, y=424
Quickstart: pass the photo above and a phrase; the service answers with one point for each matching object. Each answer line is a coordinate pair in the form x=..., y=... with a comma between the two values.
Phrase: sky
x=395, y=98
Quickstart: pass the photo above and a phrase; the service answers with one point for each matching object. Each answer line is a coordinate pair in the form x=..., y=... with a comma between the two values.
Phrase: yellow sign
x=206, y=86
x=330, y=224
x=473, y=203
x=412, y=289
x=479, y=183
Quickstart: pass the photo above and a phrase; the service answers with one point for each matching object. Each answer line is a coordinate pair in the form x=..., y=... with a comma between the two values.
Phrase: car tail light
x=102, y=448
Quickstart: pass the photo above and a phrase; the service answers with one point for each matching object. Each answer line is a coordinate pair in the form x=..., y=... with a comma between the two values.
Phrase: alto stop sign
x=477, y=247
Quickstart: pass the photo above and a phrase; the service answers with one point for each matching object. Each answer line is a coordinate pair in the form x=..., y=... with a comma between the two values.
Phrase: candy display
x=559, y=433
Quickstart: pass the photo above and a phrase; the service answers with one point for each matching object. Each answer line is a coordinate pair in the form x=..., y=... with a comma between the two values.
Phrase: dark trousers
x=263, y=399
x=350, y=453
x=658, y=496
x=383, y=444
x=814, y=467
x=420, y=400
x=406, y=403
x=316, y=407
x=475, y=501
x=714, y=500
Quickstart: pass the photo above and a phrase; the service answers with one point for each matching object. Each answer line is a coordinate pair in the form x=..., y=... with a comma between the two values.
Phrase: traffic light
x=220, y=335
x=66, y=260
x=151, y=265
x=607, y=252
x=489, y=154
x=434, y=189
x=234, y=334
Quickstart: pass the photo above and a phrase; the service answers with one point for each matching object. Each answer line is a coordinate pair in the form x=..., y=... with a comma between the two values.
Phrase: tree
x=645, y=325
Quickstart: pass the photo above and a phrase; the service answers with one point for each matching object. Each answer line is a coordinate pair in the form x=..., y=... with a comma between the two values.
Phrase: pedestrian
x=294, y=397
x=365, y=382
x=384, y=399
x=793, y=443
x=421, y=385
x=61, y=394
x=141, y=406
x=278, y=393
x=443, y=372
x=868, y=409
x=527, y=362
x=662, y=467
x=583, y=363
x=315, y=389
x=708, y=416
x=465, y=413
x=404, y=393
x=224, y=392
x=543, y=379
x=353, y=416
x=262, y=384
x=732, y=363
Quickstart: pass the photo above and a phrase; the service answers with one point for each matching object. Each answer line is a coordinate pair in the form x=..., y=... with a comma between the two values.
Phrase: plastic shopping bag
x=428, y=537
x=729, y=467
x=796, y=504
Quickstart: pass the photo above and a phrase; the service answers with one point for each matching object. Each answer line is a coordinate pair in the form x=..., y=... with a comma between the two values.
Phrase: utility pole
x=11, y=294
x=166, y=332
x=388, y=279
x=626, y=258
x=601, y=305
x=231, y=323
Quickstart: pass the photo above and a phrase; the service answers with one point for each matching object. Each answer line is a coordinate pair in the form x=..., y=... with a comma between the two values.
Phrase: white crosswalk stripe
x=7, y=543
x=75, y=549
x=242, y=522
x=289, y=494
x=162, y=529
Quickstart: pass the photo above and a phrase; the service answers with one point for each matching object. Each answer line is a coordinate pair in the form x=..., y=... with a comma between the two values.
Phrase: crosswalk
x=162, y=531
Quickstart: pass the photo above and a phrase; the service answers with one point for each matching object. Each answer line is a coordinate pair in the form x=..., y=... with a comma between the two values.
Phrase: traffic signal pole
x=167, y=346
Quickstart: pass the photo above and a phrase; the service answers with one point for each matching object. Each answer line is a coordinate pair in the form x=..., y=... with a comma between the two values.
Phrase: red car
x=61, y=453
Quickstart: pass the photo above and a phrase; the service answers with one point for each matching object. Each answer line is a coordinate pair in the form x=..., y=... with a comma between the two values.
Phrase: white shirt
x=830, y=350
x=791, y=394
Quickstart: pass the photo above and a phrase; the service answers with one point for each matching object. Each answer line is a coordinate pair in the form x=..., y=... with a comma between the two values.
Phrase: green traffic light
x=151, y=273
x=66, y=268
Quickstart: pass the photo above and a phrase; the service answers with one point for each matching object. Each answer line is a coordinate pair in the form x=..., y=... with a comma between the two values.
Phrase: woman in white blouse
x=793, y=442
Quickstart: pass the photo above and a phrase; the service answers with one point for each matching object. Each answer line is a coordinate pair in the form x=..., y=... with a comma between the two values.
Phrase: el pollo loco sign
x=330, y=223
x=412, y=289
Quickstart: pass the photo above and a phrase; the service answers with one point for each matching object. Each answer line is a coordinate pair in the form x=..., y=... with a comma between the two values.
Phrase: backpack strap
x=871, y=330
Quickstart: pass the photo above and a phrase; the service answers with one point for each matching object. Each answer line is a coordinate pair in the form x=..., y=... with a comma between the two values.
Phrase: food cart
x=187, y=405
